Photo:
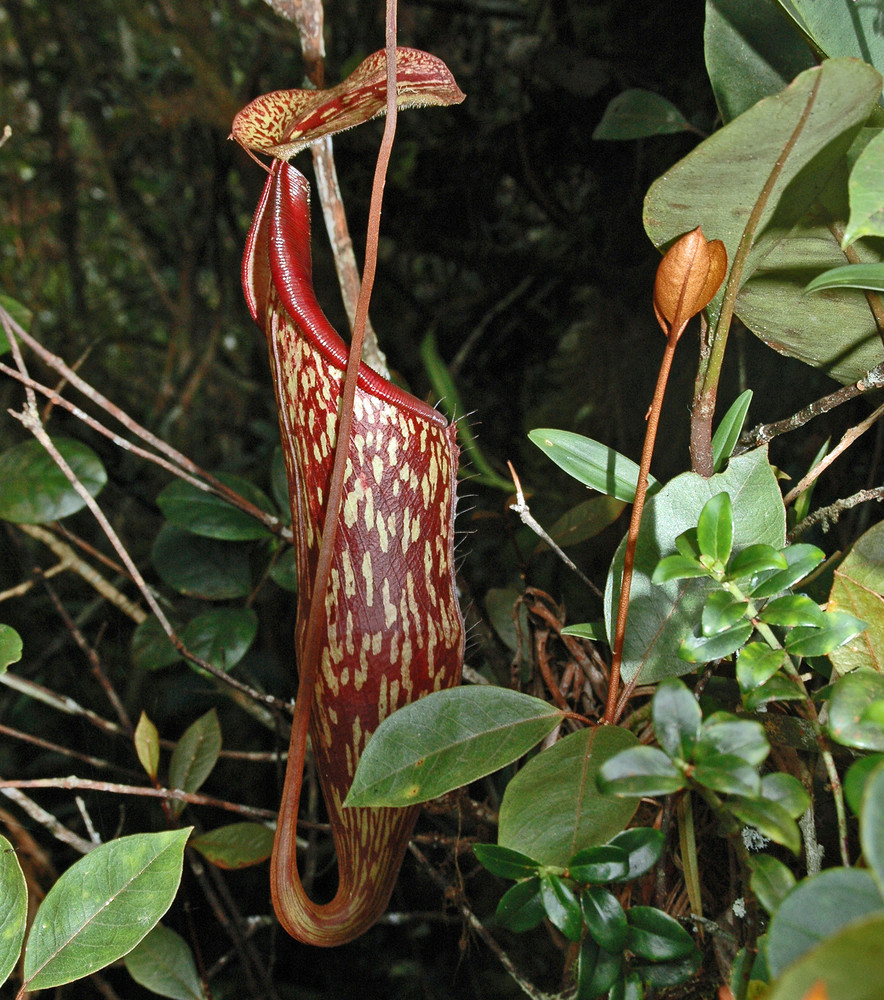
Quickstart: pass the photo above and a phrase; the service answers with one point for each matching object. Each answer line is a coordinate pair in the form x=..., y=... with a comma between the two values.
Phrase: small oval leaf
x=33, y=490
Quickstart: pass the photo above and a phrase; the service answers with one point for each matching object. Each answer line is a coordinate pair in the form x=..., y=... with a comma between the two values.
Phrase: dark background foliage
x=507, y=230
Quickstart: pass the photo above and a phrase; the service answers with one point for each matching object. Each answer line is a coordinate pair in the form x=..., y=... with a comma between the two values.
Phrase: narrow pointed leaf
x=164, y=964
x=604, y=918
x=14, y=911
x=102, y=906
x=446, y=740
x=147, y=745
x=562, y=906
x=727, y=433
x=715, y=528
x=869, y=276
x=195, y=755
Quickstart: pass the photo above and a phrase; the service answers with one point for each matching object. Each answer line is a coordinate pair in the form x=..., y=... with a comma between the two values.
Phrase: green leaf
x=102, y=906
x=786, y=791
x=591, y=463
x=221, y=636
x=628, y=988
x=202, y=567
x=164, y=964
x=856, y=777
x=552, y=806
x=703, y=649
x=643, y=845
x=561, y=906
x=20, y=313
x=756, y=663
x=793, y=609
x=599, y=864
x=771, y=881
x=677, y=567
x=850, y=697
x=147, y=745
x=728, y=775
x=661, y=615
x=665, y=974
x=521, y=908
x=858, y=587
x=728, y=432
x=722, y=612
x=594, y=631
x=206, y=514
x=14, y=911
x=284, y=570
x=769, y=818
x=677, y=718
x=33, y=490
x=813, y=121
x=151, y=647
x=837, y=29
x=815, y=910
x=849, y=962
x=586, y=520
x=871, y=825
x=869, y=276
x=654, y=935
x=802, y=559
x=604, y=918
x=715, y=528
x=635, y=114
x=597, y=970
x=687, y=544
x=839, y=628
x=505, y=862
x=755, y=559
x=236, y=845
x=639, y=772
x=195, y=755
x=777, y=688
x=10, y=647
x=864, y=187
x=724, y=734
x=446, y=740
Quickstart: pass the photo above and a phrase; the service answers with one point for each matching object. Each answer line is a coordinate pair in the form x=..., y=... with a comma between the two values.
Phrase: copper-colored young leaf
x=284, y=122
x=688, y=277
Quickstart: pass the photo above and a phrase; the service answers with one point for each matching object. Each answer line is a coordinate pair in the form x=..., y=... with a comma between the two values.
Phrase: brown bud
x=689, y=275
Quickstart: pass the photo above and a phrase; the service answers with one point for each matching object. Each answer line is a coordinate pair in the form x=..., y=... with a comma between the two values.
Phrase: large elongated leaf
x=102, y=906
x=14, y=911
x=815, y=120
x=661, y=615
x=33, y=490
x=552, y=807
x=446, y=740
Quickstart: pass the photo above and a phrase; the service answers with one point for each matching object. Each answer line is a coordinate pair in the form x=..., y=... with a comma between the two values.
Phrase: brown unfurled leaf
x=688, y=277
x=286, y=121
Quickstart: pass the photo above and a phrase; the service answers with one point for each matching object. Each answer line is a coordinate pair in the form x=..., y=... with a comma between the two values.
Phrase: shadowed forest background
x=507, y=231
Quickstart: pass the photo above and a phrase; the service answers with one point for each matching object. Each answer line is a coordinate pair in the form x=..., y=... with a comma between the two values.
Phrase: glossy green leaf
x=151, y=647
x=850, y=697
x=871, y=825
x=552, y=806
x=816, y=119
x=791, y=610
x=869, y=276
x=722, y=612
x=446, y=740
x=849, y=962
x=596, y=865
x=663, y=974
x=195, y=755
x=703, y=649
x=236, y=845
x=14, y=911
x=687, y=544
x=787, y=791
x=10, y=647
x=604, y=918
x=591, y=463
x=677, y=567
x=725, y=734
x=815, y=909
x=715, y=528
x=655, y=936
x=221, y=636
x=858, y=588
x=728, y=774
x=164, y=964
x=802, y=559
x=102, y=906
x=728, y=432
x=147, y=745
x=284, y=570
x=202, y=567
x=636, y=114
x=505, y=862
x=855, y=779
x=840, y=627
x=661, y=615
x=771, y=881
x=756, y=663
x=521, y=908
x=751, y=53
x=627, y=988
x=638, y=772
x=755, y=559
x=677, y=718
x=777, y=688
x=643, y=847
x=33, y=490
x=211, y=516
x=769, y=818
x=561, y=906
x=597, y=970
